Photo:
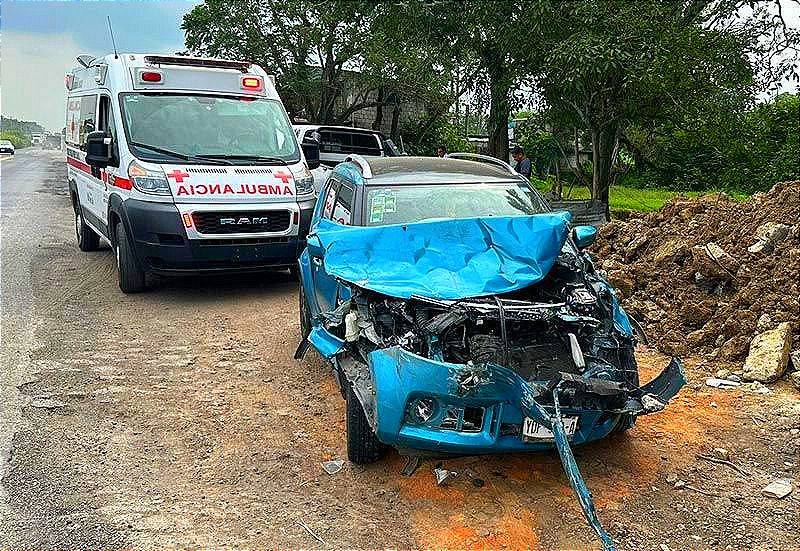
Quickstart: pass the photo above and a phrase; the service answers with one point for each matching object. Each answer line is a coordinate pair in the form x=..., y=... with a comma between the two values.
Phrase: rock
x=720, y=383
x=621, y=282
x=769, y=354
x=794, y=357
x=713, y=262
x=794, y=378
x=332, y=467
x=779, y=488
x=772, y=232
x=733, y=349
x=722, y=374
x=764, y=323
x=672, y=478
x=679, y=484
x=734, y=378
x=760, y=247
x=722, y=453
x=669, y=250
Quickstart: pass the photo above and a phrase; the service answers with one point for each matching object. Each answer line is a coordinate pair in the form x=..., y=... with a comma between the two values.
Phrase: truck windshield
x=242, y=130
x=405, y=204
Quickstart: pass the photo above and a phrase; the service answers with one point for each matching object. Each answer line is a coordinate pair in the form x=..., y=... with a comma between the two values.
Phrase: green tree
x=331, y=59
x=612, y=65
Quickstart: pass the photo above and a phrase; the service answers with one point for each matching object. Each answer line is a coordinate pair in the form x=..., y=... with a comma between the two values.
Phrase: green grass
x=635, y=199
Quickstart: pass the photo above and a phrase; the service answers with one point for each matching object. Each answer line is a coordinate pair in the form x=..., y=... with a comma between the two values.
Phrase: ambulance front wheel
x=130, y=277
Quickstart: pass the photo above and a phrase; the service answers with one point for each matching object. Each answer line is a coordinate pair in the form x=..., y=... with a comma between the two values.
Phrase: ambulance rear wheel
x=87, y=239
x=130, y=277
x=363, y=447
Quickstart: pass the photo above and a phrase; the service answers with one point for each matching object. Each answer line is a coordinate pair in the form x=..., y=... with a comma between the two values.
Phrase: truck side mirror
x=311, y=151
x=314, y=245
x=584, y=236
x=98, y=149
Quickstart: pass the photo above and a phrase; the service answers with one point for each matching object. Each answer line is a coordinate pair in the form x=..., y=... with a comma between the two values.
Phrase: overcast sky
x=40, y=40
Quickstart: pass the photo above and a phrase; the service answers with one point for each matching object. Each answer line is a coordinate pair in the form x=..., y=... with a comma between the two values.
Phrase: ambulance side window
x=87, y=122
x=330, y=197
x=105, y=120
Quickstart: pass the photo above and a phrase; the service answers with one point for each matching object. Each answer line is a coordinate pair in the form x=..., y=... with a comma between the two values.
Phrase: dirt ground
x=178, y=418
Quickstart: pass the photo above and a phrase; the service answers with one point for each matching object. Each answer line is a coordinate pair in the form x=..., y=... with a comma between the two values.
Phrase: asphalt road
x=178, y=418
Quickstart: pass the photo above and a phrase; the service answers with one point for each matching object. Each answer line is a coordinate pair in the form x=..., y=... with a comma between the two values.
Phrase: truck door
x=338, y=206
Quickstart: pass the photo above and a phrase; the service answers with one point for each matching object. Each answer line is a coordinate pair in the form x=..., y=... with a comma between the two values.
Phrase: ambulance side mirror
x=311, y=151
x=98, y=149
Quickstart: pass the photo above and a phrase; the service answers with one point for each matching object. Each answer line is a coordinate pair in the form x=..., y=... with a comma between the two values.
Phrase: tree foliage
x=331, y=59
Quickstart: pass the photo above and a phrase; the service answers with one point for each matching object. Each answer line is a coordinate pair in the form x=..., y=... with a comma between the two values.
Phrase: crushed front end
x=479, y=375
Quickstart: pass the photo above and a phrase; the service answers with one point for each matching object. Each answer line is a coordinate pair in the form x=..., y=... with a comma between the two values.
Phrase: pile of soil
x=685, y=271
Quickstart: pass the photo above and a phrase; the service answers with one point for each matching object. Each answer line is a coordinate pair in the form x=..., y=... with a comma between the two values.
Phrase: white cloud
x=32, y=72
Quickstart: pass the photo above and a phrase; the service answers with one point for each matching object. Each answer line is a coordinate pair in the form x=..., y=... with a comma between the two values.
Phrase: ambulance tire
x=88, y=240
x=363, y=447
x=130, y=277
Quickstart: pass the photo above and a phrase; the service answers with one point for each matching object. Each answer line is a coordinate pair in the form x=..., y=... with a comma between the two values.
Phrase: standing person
x=441, y=151
x=523, y=165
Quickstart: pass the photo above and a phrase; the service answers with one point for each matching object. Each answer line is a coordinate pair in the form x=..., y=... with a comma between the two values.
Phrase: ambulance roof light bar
x=185, y=61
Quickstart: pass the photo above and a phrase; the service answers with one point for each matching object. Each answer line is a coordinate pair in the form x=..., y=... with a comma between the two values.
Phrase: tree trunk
x=378, y=122
x=395, y=131
x=604, y=141
x=499, y=107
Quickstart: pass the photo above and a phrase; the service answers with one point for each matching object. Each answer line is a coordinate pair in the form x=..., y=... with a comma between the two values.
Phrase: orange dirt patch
x=517, y=531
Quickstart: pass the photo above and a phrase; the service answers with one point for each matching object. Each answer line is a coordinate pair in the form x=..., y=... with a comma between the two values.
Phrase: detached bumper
x=494, y=400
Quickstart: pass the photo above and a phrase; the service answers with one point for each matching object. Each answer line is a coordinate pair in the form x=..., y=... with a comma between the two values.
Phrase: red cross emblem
x=283, y=177
x=178, y=175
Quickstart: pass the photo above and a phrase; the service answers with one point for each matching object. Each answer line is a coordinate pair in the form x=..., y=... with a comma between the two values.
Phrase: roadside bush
x=16, y=137
x=423, y=137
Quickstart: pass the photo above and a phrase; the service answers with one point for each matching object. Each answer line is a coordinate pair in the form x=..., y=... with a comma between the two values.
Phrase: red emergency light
x=150, y=76
x=252, y=83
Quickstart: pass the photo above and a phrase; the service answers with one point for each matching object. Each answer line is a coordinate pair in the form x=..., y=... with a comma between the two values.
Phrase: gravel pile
x=704, y=275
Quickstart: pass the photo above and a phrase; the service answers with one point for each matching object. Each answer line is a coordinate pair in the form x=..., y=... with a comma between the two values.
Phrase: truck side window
x=343, y=210
x=330, y=197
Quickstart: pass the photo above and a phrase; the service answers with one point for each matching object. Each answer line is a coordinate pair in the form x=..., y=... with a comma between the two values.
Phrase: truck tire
x=305, y=314
x=87, y=239
x=130, y=277
x=363, y=447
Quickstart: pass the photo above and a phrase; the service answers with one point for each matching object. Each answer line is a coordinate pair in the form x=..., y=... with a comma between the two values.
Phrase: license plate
x=532, y=429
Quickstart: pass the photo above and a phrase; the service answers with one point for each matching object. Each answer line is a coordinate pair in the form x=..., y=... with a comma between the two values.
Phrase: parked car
x=6, y=147
x=336, y=143
x=460, y=315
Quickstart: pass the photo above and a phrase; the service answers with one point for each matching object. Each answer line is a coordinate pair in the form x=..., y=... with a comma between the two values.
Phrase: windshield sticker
x=390, y=203
x=376, y=212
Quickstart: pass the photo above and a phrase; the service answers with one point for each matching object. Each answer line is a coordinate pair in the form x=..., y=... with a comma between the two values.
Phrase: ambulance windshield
x=242, y=130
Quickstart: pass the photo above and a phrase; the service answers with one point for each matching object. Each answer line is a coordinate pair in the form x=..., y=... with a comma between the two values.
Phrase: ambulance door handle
x=316, y=260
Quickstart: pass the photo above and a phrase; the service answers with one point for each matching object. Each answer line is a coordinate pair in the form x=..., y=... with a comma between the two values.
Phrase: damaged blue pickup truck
x=462, y=316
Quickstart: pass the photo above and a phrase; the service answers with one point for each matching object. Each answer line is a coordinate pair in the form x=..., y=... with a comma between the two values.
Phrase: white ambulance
x=185, y=165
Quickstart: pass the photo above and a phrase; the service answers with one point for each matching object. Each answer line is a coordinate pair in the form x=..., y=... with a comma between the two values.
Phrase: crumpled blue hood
x=446, y=259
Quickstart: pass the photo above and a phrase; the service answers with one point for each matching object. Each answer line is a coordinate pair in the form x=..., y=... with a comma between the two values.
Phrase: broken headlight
x=422, y=410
